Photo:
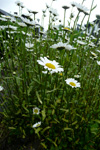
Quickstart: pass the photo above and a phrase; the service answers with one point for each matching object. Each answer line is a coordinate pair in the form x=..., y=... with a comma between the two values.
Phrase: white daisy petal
x=36, y=124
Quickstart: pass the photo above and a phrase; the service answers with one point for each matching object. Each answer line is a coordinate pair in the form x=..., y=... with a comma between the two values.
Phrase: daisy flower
x=82, y=8
x=52, y=66
x=72, y=82
x=29, y=45
x=73, y=4
x=98, y=51
x=22, y=24
x=62, y=45
x=98, y=62
x=67, y=29
x=93, y=54
x=1, y=88
x=77, y=76
x=81, y=42
x=36, y=124
x=69, y=47
x=59, y=46
x=65, y=7
x=36, y=110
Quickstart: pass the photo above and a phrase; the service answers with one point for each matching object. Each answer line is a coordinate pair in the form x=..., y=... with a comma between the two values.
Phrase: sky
x=39, y=5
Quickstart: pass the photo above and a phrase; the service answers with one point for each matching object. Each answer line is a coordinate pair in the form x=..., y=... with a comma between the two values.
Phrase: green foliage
x=68, y=118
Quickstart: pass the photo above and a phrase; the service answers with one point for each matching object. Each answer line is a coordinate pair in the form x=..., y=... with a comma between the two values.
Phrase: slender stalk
x=82, y=21
x=89, y=16
x=64, y=16
x=77, y=17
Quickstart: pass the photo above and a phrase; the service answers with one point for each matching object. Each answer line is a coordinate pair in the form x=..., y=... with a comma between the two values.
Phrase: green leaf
x=75, y=122
x=98, y=121
x=43, y=114
x=94, y=128
x=52, y=141
x=93, y=7
x=70, y=129
x=29, y=90
x=36, y=81
x=66, y=110
x=45, y=129
x=51, y=91
x=25, y=108
x=44, y=145
x=56, y=120
x=37, y=130
x=65, y=120
x=53, y=111
x=38, y=97
x=12, y=128
x=18, y=112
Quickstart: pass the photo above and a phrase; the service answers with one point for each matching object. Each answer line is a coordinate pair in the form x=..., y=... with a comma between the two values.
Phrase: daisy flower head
x=81, y=42
x=65, y=7
x=29, y=45
x=36, y=124
x=93, y=54
x=67, y=29
x=52, y=66
x=62, y=45
x=72, y=82
x=98, y=51
x=81, y=8
x=59, y=46
x=73, y=4
x=98, y=62
x=77, y=76
x=1, y=88
x=69, y=47
x=36, y=110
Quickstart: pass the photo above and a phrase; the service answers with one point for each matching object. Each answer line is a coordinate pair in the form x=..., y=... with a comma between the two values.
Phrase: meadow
x=49, y=83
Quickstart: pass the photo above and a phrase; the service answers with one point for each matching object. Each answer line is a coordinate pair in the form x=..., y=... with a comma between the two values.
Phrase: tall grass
x=69, y=116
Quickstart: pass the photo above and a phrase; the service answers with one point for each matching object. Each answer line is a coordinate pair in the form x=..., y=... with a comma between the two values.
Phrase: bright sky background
x=39, y=5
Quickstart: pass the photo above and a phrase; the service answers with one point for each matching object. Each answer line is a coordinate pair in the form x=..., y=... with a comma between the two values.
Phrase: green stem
x=82, y=21
x=64, y=16
x=89, y=16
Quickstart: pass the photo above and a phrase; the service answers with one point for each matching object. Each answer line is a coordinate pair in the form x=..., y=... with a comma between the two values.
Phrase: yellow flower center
x=49, y=65
x=60, y=74
x=36, y=111
x=67, y=28
x=72, y=83
x=94, y=55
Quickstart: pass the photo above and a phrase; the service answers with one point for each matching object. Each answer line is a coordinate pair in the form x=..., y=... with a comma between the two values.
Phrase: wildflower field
x=49, y=82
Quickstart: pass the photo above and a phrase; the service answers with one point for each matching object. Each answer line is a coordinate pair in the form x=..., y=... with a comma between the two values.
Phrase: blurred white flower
x=77, y=76
x=98, y=62
x=72, y=82
x=36, y=124
x=93, y=54
x=36, y=110
x=98, y=51
x=81, y=42
x=29, y=45
x=1, y=88
x=62, y=45
x=22, y=24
